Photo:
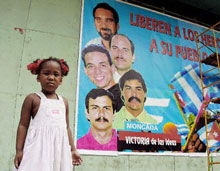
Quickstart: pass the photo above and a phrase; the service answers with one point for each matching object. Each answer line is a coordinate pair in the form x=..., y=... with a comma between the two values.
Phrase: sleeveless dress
x=47, y=146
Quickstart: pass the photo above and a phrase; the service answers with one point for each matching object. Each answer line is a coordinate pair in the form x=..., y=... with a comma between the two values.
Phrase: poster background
x=157, y=69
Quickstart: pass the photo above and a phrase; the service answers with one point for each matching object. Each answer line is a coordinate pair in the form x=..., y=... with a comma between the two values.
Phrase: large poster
x=139, y=86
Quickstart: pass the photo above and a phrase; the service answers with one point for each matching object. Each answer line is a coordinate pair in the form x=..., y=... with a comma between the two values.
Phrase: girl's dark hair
x=63, y=65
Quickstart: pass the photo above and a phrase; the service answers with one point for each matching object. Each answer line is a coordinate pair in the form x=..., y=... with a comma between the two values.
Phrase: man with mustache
x=106, y=21
x=99, y=68
x=122, y=54
x=133, y=92
x=100, y=112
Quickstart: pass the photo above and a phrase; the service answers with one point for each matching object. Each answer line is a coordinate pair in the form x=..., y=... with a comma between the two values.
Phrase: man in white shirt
x=122, y=54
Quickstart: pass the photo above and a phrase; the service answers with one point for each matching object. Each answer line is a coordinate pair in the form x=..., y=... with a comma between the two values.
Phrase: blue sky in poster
x=157, y=69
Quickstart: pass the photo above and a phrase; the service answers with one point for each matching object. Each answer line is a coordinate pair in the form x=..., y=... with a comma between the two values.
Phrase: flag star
x=215, y=134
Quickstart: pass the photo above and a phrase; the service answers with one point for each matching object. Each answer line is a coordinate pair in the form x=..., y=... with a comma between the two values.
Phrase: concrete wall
x=52, y=28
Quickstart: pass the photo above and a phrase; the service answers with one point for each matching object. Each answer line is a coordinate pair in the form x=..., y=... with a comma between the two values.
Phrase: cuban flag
x=213, y=136
x=188, y=91
x=183, y=130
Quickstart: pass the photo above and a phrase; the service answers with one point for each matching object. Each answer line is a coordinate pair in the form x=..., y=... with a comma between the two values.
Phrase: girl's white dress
x=47, y=145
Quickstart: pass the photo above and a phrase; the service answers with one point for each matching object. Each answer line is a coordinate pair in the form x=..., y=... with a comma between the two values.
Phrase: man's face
x=105, y=23
x=99, y=70
x=134, y=95
x=121, y=53
x=100, y=113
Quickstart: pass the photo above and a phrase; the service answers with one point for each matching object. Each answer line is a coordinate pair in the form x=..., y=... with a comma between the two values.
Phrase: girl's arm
x=77, y=160
x=22, y=129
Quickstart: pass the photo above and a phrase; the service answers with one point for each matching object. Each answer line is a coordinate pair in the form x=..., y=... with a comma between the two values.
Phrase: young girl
x=46, y=144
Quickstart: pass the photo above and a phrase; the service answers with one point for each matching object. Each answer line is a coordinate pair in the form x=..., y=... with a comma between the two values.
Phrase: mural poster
x=139, y=86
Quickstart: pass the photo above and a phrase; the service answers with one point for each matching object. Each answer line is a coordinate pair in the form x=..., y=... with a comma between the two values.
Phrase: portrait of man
x=122, y=54
x=99, y=68
x=100, y=112
x=106, y=21
x=133, y=92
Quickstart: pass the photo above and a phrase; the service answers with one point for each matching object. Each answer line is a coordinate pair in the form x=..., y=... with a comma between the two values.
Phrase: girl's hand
x=18, y=158
x=76, y=158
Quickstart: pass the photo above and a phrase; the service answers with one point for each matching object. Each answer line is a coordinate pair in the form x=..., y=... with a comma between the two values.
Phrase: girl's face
x=50, y=76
